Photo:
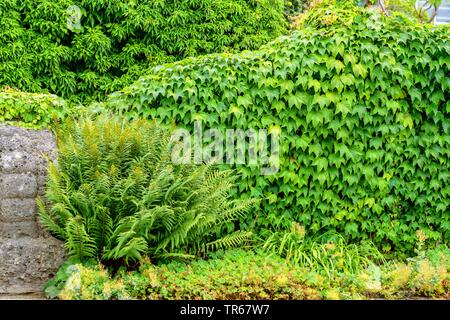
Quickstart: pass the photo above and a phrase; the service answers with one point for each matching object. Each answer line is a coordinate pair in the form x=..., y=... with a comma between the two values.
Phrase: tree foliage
x=362, y=101
x=420, y=11
x=44, y=48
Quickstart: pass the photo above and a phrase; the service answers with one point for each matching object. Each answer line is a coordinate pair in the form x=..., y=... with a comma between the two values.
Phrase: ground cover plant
x=32, y=110
x=247, y=274
x=83, y=49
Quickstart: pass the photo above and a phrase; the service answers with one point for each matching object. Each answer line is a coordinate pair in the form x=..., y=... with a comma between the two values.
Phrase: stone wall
x=28, y=255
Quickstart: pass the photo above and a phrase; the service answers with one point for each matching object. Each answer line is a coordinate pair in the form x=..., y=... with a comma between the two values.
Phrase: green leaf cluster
x=31, y=110
x=114, y=195
x=363, y=103
x=294, y=7
x=44, y=49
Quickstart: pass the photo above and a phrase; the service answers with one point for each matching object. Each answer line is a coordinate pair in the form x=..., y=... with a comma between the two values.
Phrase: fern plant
x=115, y=195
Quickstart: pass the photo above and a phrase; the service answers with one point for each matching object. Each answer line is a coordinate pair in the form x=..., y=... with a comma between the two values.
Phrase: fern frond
x=48, y=221
x=79, y=244
x=231, y=240
x=129, y=247
x=102, y=228
x=115, y=194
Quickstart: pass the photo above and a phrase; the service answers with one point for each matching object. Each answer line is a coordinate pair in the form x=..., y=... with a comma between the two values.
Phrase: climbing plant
x=32, y=110
x=84, y=49
x=362, y=102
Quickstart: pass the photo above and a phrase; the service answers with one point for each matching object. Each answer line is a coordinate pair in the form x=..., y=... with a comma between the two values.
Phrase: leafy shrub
x=362, y=102
x=44, y=49
x=294, y=7
x=31, y=110
x=427, y=274
x=115, y=195
x=418, y=11
x=240, y=274
x=54, y=286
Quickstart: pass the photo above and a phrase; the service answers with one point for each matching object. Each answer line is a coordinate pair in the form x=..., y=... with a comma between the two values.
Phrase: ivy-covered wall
x=362, y=102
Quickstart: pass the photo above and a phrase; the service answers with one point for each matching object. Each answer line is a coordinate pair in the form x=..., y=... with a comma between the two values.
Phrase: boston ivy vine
x=363, y=103
x=31, y=110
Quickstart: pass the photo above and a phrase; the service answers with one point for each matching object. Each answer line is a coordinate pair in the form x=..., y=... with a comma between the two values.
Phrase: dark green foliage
x=294, y=7
x=117, y=40
x=363, y=103
x=115, y=195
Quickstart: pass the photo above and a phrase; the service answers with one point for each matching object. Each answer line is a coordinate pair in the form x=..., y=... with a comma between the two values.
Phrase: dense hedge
x=32, y=110
x=117, y=40
x=363, y=103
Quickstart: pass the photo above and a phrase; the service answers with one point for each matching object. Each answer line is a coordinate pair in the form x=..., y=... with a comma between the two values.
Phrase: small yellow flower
x=333, y=294
x=421, y=236
x=282, y=280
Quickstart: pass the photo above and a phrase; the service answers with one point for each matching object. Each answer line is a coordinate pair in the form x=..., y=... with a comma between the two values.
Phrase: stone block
x=29, y=256
x=21, y=185
x=20, y=229
x=27, y=264
x=17, y=209
x=21, y=162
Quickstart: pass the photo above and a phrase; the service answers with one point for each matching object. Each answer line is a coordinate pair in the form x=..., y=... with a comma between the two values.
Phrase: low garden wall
x=28, y=255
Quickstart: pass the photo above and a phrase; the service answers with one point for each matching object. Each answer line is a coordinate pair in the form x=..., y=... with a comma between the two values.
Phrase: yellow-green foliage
x=420, y=276
x=91, y=283
x=240, y=274
x=236, y=275
x=31, y=110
